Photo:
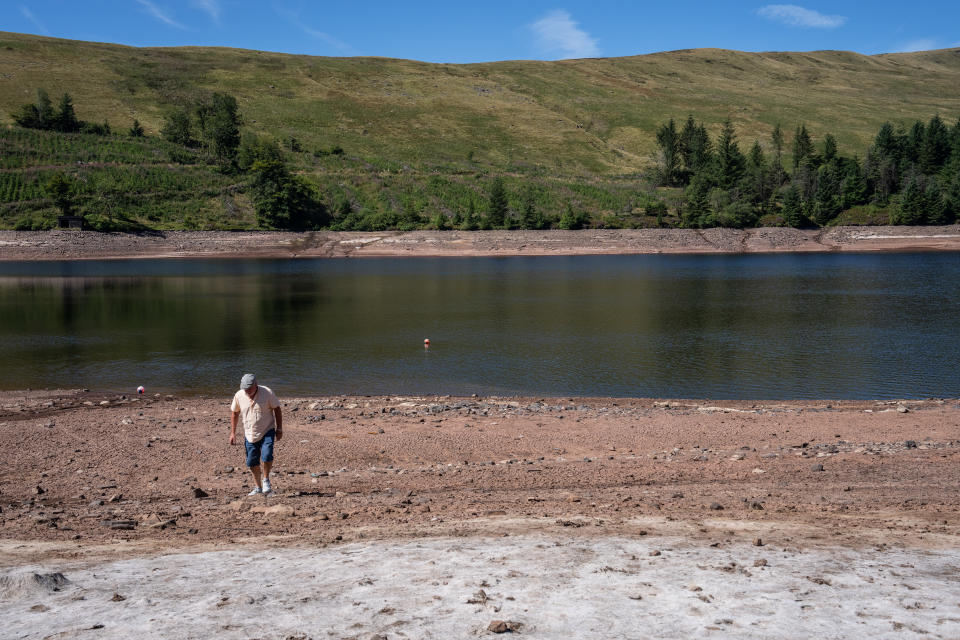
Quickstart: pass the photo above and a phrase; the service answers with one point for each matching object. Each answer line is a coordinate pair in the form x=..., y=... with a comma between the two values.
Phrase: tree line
x=915, y=173
x=911, y=175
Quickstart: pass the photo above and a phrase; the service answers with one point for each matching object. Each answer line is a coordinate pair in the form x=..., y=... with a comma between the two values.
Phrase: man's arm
x=278, y=416
x=234, y=415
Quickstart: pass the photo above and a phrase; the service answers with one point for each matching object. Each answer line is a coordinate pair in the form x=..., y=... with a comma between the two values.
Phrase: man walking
x=262, y=423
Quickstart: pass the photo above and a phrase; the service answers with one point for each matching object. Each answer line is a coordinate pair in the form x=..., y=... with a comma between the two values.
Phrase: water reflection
x=820, y=325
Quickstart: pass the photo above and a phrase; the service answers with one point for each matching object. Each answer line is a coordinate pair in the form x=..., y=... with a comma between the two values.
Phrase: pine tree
x=913, y=204
x=136, y=131
x=829, y=148
x=668, y=159
x=802, y=146
x=46, y=118
x=66, y=119
x=177, y=128
x=730, y=160
x=793, y=214
x=777, y=169
x=497, y=209
x=935, y=150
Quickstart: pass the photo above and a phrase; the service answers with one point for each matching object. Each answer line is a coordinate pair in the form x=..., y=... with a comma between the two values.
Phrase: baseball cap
x=247, y=381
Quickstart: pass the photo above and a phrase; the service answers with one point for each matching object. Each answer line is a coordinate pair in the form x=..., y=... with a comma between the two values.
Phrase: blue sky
x=488, y=30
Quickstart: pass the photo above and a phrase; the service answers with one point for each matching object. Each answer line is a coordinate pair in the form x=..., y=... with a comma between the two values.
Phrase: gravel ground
x=64, y=244
x=437, y=517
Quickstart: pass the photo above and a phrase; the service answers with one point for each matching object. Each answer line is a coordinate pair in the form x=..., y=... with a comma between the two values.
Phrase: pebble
x=816, y=467
x=716, y=506
x=504, y=626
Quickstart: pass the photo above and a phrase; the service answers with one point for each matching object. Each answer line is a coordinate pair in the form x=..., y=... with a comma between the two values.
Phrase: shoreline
x=90, y=245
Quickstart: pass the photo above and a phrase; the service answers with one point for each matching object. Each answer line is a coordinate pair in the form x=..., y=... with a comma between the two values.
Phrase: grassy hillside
x=429, y=137
x=574, y=116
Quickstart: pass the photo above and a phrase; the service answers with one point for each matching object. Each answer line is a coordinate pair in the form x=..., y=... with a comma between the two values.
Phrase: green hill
x=581, y=125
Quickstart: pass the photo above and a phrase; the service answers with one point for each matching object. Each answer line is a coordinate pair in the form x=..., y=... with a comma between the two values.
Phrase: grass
x=592, y=116
x=431, y=136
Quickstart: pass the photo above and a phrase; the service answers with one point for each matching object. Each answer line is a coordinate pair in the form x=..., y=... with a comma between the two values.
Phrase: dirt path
x=62, y=244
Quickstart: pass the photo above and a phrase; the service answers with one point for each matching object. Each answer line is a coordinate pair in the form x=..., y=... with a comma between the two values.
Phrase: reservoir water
x=784, y=326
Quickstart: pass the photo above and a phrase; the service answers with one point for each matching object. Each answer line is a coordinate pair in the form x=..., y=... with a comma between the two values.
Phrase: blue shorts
x=260, y=450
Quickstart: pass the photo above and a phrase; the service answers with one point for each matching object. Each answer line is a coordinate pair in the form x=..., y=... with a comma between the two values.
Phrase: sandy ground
x=64, y=244
x=613, y=517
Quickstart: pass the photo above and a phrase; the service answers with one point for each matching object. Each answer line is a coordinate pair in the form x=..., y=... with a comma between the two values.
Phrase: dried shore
x=439, y=517
x=70, y=245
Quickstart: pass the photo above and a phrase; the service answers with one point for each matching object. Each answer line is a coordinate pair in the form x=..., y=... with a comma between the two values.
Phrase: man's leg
x=253, y=460
x=266, y=459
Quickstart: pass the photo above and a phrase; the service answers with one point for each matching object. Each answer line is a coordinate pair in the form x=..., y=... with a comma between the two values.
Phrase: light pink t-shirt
x=256, y=413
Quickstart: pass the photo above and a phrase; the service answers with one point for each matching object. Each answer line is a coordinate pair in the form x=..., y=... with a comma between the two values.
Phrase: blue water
x=779, y=326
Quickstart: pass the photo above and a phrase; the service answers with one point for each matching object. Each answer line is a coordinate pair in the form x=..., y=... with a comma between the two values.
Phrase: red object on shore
x=426, y=342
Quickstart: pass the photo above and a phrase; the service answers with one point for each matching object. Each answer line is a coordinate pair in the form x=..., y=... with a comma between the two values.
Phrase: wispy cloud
x=293, y=16
x=796, y=16
x=557, y=33
x=32, y=18
x=212, y=7
x=920, y=44
x=158, y=13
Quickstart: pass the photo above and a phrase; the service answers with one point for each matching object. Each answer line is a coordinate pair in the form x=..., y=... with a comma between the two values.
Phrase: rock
x=96, y=503
x=237, y=505
x=910, y=444
x=716, y=506
x=758, y=542
x=200, y=493
x=760, y=562
x=117, y=597
x=39, y=490
x=816, y=467
x=279, y=510
x=654, y=553
x=120, y=524
x=115, y=497
x=756, y=506
x=504, y=626
x=902, y=409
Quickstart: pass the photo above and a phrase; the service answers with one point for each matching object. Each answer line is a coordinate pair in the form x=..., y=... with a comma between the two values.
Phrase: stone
x=279, y=510
x=716, y=506
x=504, y=626
x=902, y=409
x=200, y=493
x=758, y=542
x=117, y=597
x=237, y=505
x=760, y=562
x=39, y=490
x=756, y=506
x=816, y=467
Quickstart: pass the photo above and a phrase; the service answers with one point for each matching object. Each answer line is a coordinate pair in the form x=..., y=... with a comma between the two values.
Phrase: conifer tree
x=802, y=146
x=497, y=209
x=730, y=160
x=65, y=120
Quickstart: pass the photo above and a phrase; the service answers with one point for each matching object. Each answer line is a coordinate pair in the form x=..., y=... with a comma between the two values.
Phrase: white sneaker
x=266, y=486
x=256, y=491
